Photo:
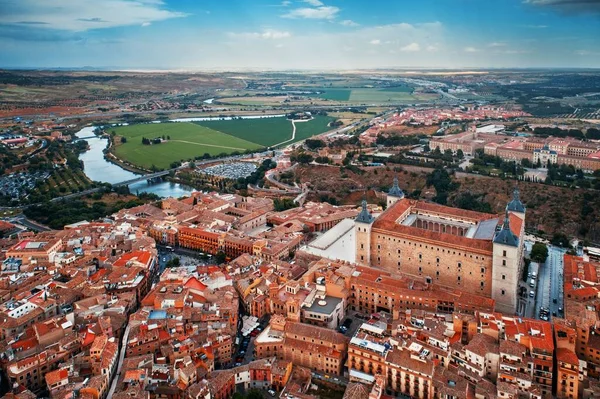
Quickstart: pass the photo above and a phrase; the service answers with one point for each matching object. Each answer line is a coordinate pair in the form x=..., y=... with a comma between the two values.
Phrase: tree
x=460, y=154
x=173, y=262
x=539, y=252
x=313, y=144
x=283, y=204
x=560, y=240
x=304, y=158
x=593, y=134
x=220, y=257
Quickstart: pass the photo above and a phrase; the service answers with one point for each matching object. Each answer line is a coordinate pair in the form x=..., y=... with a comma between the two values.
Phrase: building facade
x=447, y=246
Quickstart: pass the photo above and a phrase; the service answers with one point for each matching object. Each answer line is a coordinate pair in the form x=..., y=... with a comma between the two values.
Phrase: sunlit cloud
x=84, y=15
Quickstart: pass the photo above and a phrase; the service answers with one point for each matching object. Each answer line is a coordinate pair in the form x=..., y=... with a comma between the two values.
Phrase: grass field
x=318, y=125
x=336, y=94
x=188, y=140
x=380, y=95
x=265, y=132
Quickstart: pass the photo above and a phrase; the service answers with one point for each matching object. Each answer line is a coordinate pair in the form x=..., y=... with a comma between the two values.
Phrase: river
x=99, y=169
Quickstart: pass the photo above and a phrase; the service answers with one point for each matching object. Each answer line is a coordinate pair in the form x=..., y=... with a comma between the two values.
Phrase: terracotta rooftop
x=386, y=223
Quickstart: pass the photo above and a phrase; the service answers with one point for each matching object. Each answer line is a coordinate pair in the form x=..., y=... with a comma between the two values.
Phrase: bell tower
x=362, y=231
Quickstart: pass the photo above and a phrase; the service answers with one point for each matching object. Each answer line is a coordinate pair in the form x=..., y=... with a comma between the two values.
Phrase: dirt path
x=293, y=132
x=210, y=145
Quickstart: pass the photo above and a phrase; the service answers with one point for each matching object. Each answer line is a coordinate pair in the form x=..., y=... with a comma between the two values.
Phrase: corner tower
x=516, y=206
x=506, y=268
x=362, y=231
x=395, y=194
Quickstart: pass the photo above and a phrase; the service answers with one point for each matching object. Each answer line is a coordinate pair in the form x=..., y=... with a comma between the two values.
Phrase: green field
x=336, y=94
x=367, y=94
x=188, y=140
x=316, y=126
x=264, y=131
x=391, y=94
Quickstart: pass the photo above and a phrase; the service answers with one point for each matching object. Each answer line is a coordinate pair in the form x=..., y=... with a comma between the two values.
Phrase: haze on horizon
x=299, y=34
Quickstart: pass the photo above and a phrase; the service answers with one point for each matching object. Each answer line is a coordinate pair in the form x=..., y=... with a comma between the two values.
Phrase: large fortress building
x=471, y=251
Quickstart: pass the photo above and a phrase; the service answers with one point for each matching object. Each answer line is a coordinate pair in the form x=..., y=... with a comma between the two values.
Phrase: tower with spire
x=395, y=194
x=508, y=258
x=515, y=206
x=362, y=231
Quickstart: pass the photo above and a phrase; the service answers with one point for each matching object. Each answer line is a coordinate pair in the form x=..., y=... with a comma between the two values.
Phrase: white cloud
x=569, y=6
x=265, y=34
x=411, y=47
x=348, y=22
x=432, y=48
x=286, y=3
x=497, y=44
x=375, y=42
x=144, y=24
x=470, y=50
x=535, y=26
x=82, y=15
x=314, y=3
x=586, y=52
x=324, y=12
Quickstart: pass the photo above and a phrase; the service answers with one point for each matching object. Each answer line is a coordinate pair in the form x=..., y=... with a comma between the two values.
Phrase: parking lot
x=232, y=170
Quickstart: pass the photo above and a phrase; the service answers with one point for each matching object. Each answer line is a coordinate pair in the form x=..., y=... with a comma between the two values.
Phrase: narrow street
x=115, y=378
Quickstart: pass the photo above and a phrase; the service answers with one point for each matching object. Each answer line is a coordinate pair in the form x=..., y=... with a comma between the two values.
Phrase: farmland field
x=265, y=132
x=318, y=125
x=188, y=140
x=381, y=95
x=336, y=94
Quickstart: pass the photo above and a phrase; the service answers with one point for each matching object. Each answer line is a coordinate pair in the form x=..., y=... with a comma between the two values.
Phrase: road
x=21, y=220
x=115, y=380
x=556, y=271
x=549, y=289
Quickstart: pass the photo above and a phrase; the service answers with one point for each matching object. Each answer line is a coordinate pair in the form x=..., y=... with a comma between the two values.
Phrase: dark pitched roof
x=395, y=191
x=364, y=216
x=505, y=236
x=516, y=205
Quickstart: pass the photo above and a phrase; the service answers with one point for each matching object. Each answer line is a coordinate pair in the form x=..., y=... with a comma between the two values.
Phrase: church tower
x=395, y=194
x=362, y=231
x=506, y=267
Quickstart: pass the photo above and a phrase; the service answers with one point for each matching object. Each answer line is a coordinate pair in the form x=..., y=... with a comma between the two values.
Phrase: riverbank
x=111, y=157
x=98, y=168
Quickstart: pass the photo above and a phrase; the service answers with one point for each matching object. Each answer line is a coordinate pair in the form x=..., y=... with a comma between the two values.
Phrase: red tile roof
x=567, y=356
x=193, y=283
x=143, y=257
x=387, y=223
x=55, y=376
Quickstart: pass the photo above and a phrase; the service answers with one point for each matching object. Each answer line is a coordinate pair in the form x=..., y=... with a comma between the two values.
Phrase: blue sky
x=299, y=34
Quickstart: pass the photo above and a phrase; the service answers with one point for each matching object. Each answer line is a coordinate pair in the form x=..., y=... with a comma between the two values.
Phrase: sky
x=299, y=34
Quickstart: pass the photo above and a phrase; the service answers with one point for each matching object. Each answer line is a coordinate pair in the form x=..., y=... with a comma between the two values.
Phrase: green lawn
x=264, y=131
x=316, y=126
x=188, y=140
x=335, y=94
x=381, y=95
